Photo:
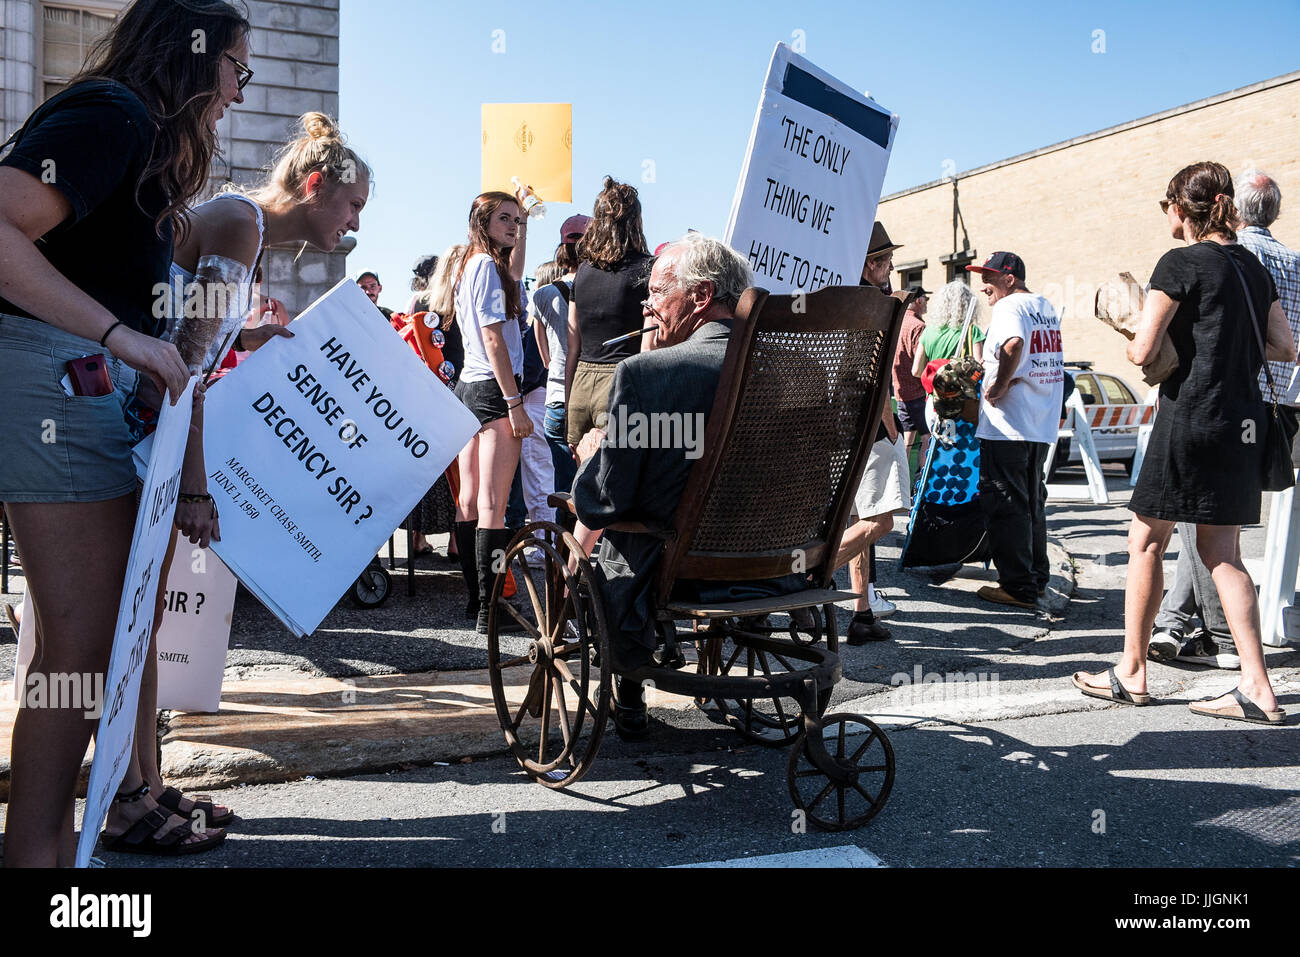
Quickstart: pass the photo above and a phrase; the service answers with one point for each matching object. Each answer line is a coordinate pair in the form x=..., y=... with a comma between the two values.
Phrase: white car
x=1115, y=437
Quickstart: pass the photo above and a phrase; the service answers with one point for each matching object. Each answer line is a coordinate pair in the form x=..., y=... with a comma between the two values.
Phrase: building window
x=67, y=34
x=955, y=265
x=909, y=273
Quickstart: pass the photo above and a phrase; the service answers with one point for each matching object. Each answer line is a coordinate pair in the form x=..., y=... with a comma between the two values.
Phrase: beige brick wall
x=295, y=59
x=1079, y=214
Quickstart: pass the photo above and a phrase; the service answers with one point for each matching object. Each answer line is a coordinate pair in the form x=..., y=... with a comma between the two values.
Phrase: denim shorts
x=60, y=448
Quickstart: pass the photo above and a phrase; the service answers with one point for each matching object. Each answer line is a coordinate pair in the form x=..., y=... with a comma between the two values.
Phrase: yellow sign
x=533, y=141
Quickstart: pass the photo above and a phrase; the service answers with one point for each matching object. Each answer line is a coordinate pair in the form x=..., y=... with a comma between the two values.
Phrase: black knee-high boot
x=490, y=546
x=465, y=546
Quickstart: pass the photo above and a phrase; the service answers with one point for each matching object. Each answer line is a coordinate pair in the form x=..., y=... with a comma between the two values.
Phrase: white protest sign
x=812, y=177
x=198, y=605
x=317, y=447
x=153, y=529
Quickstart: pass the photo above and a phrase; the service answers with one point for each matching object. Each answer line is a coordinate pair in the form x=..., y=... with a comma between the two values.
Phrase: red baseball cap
x=571, y=229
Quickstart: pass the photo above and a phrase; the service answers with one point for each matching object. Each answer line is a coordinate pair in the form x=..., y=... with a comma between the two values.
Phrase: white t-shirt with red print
x=1030, y=411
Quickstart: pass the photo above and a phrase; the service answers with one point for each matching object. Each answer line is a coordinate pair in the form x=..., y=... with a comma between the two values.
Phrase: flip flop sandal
x=1117, y=693
x=1247, y=710
x=171, y=800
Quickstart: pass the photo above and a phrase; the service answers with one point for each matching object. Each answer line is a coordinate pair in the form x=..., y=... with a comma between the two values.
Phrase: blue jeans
x=565, y=467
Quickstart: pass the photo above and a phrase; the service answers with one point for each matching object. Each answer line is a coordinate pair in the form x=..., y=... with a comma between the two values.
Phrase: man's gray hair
x=1258, y=199
x=701, y=258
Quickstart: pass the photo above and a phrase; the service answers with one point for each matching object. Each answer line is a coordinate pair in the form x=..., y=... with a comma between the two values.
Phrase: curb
x=284, y=727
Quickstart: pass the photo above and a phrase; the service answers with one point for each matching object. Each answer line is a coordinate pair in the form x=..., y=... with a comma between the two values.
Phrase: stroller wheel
x=372, y=587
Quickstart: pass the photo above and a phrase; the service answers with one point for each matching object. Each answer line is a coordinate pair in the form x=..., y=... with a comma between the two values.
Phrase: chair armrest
x=562, y=500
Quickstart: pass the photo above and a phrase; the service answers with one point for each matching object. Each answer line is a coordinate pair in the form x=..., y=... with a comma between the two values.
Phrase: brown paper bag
x=1119, y=305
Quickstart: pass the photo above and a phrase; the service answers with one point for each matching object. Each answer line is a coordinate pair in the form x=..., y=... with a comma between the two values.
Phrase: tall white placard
x=808, y=191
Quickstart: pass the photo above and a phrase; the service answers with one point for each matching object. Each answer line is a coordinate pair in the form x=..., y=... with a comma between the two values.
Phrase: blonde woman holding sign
x=314, y=194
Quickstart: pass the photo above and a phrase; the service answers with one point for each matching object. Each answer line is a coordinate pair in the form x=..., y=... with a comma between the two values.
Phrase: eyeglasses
x=1165, y=204
x=241, y=70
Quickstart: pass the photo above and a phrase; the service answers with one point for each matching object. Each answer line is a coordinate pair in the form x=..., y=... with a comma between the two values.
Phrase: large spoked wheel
x=552, y=702
x=771, y=722
x=864, y=761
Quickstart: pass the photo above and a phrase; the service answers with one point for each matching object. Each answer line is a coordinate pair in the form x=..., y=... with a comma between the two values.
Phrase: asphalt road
x=1032, y=775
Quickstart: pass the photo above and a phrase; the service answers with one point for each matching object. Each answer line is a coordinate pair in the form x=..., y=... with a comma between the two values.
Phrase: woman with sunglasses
x=98, y=178
x=1204, y=460
x=489, y=301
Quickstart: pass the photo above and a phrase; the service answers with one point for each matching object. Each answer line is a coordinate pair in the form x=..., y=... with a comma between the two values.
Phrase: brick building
x=1081, y=211
x=295, y=56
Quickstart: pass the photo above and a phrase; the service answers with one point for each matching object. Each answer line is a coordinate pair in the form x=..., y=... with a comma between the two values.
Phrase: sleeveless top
x=237, y=307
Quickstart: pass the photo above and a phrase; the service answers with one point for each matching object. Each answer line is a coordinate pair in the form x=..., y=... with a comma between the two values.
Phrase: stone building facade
x=1084, y=210
x=295, y=59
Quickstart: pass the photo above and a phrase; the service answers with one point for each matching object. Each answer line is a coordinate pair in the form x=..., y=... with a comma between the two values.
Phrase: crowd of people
x=608, y=325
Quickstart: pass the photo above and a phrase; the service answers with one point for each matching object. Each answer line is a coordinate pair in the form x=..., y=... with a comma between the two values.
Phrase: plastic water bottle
x=533, y=205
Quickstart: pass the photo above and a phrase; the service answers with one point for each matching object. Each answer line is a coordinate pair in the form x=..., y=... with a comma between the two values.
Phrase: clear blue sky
x=678, y=82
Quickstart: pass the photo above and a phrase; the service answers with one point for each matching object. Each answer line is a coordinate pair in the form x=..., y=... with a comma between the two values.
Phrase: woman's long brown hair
x=485, y=206
x=169, y=54
x=615, y=228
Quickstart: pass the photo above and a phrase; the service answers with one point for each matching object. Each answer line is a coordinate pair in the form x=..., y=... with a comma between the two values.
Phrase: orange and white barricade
x=1078, y=426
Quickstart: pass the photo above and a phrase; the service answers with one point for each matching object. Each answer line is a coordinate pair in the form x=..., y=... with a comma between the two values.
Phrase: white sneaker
x=1164, y=645
x=1202, y=649
x=882, y=607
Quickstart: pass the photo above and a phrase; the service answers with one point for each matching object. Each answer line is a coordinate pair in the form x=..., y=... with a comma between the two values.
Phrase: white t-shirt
x=1030, y=411
x=481, y=301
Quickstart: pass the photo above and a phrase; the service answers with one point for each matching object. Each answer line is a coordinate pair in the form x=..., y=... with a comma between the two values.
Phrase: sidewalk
x=283, y=724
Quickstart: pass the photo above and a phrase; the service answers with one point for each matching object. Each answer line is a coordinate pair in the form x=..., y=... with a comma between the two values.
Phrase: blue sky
x=678, y=82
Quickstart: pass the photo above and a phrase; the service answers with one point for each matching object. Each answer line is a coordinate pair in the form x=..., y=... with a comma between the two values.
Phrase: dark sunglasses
x=1165, y=204
x=241, y=70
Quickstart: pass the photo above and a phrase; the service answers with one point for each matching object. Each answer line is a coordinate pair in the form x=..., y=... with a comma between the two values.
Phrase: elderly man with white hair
x=694, y=288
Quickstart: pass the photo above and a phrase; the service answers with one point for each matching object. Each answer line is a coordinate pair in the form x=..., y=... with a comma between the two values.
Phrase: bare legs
x=853, y=551
x=1220, y=548
x=74, y=635
x=487, y=467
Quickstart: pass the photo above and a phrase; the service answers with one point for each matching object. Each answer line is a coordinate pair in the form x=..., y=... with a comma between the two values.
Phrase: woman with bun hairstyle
x=313, y=194
x=489, y=301
x=129, y=142
x=612, y=282
x=1219, y=305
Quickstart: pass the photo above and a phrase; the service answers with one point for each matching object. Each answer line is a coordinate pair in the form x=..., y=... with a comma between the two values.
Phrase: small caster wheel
x=864, y=759
x=372, y=587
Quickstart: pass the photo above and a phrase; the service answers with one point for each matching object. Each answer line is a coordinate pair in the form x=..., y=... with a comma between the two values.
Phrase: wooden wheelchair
x=801, y=393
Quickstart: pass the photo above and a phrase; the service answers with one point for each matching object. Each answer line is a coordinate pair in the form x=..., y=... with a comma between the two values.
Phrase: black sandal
x=139, y=837
x=171, y=800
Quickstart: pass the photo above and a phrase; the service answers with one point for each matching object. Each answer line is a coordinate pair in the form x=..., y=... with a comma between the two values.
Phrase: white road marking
x=845, y=856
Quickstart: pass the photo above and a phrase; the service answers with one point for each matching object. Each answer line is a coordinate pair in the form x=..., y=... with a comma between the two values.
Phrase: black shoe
x=865, y=628
x=631, y=717
x=631, y=724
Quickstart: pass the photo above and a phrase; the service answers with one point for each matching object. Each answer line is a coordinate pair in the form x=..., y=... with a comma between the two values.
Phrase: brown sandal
x=171, y=800
x=140, y=837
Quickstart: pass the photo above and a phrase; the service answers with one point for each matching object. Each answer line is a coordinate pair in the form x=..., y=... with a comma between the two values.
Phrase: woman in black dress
x=1205, y=457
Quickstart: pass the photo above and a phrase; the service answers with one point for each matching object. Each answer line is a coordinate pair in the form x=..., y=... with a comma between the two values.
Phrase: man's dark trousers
x=1014, y=500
